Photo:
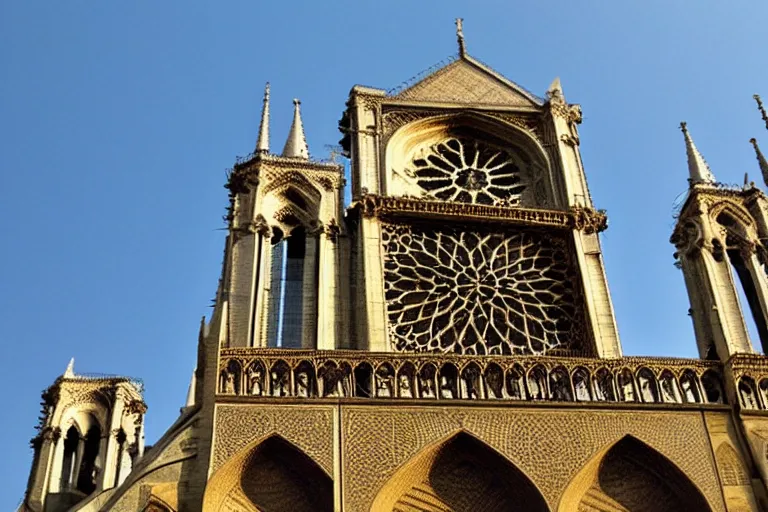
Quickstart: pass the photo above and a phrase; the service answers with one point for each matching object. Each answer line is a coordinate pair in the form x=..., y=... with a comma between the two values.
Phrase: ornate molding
x=278, y=373
x=578, y=218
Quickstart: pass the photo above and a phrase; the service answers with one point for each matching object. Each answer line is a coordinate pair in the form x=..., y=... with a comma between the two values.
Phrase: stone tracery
x=468, y=171
x=479, y=293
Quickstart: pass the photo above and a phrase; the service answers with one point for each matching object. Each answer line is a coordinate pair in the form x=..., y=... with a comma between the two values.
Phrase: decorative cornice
x=579, y=218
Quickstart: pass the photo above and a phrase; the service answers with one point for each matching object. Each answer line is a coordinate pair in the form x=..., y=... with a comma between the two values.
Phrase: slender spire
x=460, y=37
x=262, y=143
x=555, y=89
x=70, y=371
x=697, y=167
x=760, y=160
x=761, y=109
x=296, y=145
x=191, y=391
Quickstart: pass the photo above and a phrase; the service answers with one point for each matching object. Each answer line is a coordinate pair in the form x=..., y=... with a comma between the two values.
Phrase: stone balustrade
x=352, y=374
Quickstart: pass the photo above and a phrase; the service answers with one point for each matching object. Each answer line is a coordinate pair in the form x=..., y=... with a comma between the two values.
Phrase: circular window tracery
x=469, y=171
x=475, y=292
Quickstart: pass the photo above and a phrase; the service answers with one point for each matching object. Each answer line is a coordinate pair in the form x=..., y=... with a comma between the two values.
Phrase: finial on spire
x=699, y=171
x=262, y=143
x=761, y=109
x=296, y=145
x=70, y=371
x=460, y=36
x=760, y=160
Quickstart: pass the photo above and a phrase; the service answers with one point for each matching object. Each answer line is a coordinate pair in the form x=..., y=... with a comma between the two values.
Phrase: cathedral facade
x=446, y=342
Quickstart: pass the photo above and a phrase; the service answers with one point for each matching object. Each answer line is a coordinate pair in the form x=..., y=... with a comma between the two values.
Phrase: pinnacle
x=698, y=169
x=296, y=145
x=262, y=143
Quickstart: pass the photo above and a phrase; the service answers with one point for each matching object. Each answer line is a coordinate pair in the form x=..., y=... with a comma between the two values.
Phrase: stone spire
x=191, y=391
x=70, y=371
x=555, y=90
x=262, y=143
x=760, y=160
x=296, y=145
x=698, y=169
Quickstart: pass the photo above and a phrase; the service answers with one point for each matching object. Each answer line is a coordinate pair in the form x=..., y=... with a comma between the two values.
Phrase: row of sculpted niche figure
x=334, y=379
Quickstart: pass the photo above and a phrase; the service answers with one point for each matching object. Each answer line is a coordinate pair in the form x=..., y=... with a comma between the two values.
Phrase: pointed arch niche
x=272, y=476
x=630, y=476
x=459, y=474
x=469, y=158
x=737, y=248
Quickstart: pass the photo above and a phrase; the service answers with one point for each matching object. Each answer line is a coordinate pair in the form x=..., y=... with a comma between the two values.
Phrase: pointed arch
x=633, y=477
x=459, y=474
x=273, y=475
x=732, y=470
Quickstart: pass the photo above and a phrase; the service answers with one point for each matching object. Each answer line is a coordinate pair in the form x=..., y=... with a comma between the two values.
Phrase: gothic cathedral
x=445, y=342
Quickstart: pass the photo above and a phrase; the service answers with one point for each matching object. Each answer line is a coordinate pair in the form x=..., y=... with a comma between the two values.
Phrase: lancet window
x=737, y=249
x=293, y=289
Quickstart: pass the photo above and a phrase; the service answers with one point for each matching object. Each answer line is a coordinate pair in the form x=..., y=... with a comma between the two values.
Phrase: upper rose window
x=468, y=171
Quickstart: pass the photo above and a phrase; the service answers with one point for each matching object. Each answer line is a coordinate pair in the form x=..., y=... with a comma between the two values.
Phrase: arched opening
x=630, y=476
x=736, y=238
x=294, y=269
x=272, y=476
x=86, y=480
x=649, y=391
x=71, y=441
x=363, y=376
x=459, y=474
x=280, y=477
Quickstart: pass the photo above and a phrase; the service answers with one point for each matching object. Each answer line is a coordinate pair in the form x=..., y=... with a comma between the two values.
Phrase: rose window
x=475, y=292
x=468, y=171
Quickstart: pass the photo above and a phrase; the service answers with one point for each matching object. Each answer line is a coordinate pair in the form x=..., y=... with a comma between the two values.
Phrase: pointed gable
x=467, y=81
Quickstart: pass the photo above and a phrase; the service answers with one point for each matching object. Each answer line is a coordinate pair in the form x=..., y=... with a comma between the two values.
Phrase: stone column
x=328, y=290
x=43, y=464
x=111, y=448
x=310, y=293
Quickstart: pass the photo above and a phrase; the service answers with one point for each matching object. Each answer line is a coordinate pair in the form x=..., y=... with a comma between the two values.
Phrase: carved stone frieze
x=578, y=218
x=275, y=373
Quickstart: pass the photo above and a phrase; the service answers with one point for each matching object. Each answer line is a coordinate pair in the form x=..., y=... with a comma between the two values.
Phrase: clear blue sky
x=118, y=119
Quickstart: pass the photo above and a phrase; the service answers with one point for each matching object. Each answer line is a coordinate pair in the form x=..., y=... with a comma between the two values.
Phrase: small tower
x=719, y=239
x=90, y=435
x=280, y=279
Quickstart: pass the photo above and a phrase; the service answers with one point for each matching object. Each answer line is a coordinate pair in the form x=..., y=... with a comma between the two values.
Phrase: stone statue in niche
x=747, y=396
x=447, y=386
x=537, y=386
x=302, y=385
x=668, y=391
x=229, y=382
x=385, y=382
x=404, y=385
x=334, y=382
x=471, y=383
x=515, y=386
x=712, y=389
x=559, y=387
x=279, y=378
x=426, y=385
x=255, y=375
x=626, y=388
x=688, y=391
x=581, y=388
x=646, y=391
x=494, y=379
